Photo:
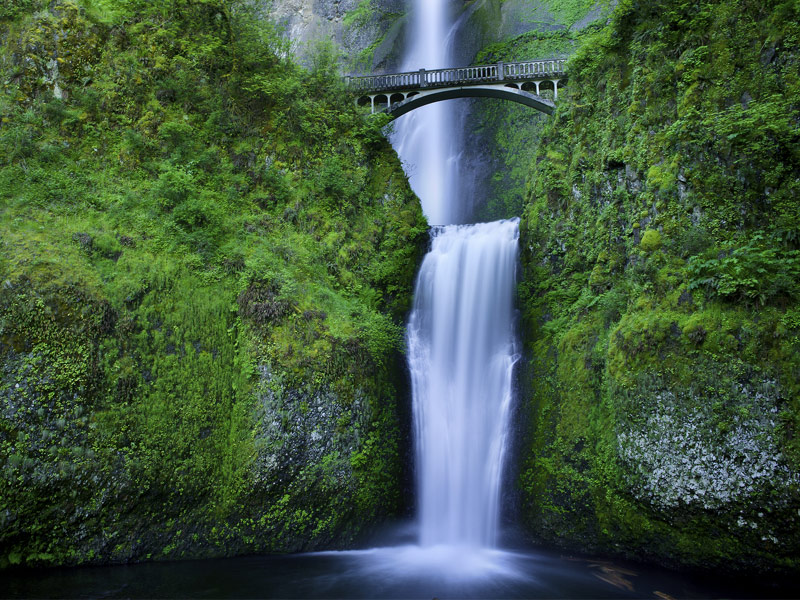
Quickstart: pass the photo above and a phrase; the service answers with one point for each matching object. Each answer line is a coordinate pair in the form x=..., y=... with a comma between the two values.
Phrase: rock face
x=370, y=32
x=659, y=293
x=502, y=136
x=214, y=369
x=679, y=455
x=486, y=22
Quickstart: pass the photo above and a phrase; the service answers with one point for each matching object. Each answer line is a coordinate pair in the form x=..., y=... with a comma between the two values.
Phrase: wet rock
x=348, y=24
x=679, y=456
x=633, y=180
x=685, y=299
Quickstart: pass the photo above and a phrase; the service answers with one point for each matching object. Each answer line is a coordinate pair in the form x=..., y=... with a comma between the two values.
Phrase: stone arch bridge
x=523, y=82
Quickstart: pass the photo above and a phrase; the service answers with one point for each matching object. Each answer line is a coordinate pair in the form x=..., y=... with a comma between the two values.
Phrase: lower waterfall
x=461, y=353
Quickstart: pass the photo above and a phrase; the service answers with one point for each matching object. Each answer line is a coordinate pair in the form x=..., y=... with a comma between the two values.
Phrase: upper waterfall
x=428, y=140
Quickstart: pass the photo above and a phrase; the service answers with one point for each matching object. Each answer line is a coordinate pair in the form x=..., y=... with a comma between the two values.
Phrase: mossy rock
x=186, y=304
x=683, y=349
x=651, y=240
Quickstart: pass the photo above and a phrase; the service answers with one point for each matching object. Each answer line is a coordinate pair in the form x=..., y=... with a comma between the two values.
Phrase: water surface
x=400, y=570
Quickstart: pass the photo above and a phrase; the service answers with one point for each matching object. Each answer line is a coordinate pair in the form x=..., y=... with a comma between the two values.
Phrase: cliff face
x=502, y=137
x=369, y=32
x=660, y=296
x=206, y=260
x=483, y=23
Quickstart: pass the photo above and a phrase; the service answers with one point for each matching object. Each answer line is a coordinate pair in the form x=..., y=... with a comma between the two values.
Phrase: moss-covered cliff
x=661, y=250
x=369, y=33
x=502, y=137
x=205, y=260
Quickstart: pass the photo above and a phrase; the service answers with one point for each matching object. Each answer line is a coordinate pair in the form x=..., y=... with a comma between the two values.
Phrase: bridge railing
x=423, y=78
x=535, y=68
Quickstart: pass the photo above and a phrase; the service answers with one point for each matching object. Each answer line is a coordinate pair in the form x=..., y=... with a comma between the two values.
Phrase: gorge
x=206, y=306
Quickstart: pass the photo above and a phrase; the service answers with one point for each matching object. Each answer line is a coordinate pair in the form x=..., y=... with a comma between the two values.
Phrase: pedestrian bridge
x=523, y=82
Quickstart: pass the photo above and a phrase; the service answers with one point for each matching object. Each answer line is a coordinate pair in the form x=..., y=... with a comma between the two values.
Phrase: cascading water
x=427, y=138
x=460, y=336
x=461, y=354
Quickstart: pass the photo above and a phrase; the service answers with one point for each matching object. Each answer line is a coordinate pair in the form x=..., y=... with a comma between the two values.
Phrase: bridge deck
x=499, y=72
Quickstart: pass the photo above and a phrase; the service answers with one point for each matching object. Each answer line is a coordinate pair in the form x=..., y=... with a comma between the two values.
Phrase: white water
x=428, y=139
x=461, y=348
x=461, y=351
x=461, y=354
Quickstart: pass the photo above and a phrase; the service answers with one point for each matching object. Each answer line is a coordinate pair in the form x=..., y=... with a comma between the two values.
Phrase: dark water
x=403, y=571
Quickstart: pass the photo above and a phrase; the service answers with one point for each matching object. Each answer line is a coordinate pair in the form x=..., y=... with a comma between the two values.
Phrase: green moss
x=656, y=305
x=205, y=267
x=651, y=240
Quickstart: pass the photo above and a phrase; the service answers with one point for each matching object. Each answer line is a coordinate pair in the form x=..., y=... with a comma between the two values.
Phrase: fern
x=758, y=272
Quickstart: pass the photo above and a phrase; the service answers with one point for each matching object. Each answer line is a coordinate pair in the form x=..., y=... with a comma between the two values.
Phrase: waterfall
x=461, y=354
x=461, y=343
x=427, y=139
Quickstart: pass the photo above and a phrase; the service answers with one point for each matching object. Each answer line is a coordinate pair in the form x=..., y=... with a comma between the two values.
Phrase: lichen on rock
x=693, y=453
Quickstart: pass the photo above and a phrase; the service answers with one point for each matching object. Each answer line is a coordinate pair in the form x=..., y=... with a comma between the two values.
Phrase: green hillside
x=206, y=260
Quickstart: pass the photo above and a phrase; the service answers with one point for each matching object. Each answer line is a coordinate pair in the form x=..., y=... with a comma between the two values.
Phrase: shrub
x=177, y=138
x=757, y=271
x=173, y=187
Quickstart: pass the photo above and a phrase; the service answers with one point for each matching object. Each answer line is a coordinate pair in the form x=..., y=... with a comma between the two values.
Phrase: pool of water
x=398, y=571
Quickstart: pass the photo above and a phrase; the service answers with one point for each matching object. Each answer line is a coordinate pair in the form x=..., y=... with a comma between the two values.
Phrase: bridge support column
x=423, y=79
x=500, y=71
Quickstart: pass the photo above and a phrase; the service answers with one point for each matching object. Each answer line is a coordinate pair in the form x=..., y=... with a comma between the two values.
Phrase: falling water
x=427, y=139
x=461, y=354
x=461, y=347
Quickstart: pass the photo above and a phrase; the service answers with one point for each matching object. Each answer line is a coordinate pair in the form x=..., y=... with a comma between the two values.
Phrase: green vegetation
x=374, y=23
x=570, y=12
x=206, y=255
x=205, y=259
x=661, y=291
x=513, y=131
x=360, y=15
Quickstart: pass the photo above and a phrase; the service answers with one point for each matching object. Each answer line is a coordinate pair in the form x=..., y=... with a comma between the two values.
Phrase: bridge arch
x=413, y=101
x=381, y=101
x=523, y=82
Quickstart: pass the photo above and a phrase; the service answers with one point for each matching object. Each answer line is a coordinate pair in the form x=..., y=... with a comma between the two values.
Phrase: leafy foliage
x=757, y=272
x=660, y=256
x=196, y=244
